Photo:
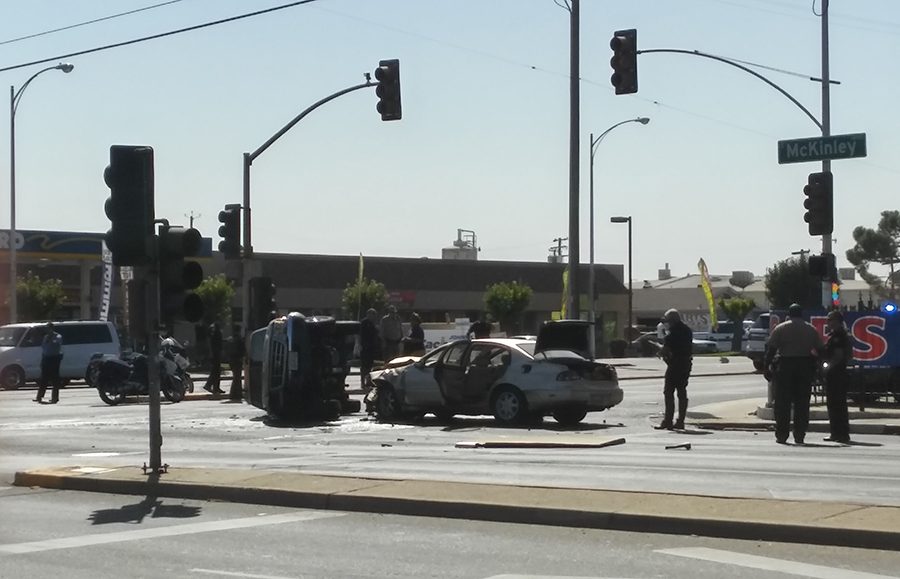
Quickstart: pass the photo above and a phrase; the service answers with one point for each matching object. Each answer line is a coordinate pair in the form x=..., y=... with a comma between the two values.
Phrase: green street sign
x=822, y=148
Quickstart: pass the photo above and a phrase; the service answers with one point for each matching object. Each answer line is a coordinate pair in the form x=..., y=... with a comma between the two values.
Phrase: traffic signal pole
x=248, y=161
x=826, y=131
x=574, y=304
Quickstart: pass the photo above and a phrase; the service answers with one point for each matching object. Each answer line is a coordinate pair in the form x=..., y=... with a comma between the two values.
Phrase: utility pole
x=574, y=106
x=826, y=131
x=191, y=216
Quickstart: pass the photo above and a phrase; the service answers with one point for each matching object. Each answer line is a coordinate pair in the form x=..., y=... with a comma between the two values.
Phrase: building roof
x=396, y=273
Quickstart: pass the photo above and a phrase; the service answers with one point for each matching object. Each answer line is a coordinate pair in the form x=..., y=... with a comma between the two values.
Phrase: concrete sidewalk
x=849, y=525
x=752, y=414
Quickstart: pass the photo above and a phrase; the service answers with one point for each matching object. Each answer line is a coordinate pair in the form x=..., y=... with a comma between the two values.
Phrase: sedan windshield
x=11, y=336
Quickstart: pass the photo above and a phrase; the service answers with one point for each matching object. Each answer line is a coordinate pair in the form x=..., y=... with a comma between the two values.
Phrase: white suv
x=20, y=349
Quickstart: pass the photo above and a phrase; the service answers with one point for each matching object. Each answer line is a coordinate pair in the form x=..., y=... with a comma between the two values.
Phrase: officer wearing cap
x=677, y=353
x=791, y=356
x=837, y=354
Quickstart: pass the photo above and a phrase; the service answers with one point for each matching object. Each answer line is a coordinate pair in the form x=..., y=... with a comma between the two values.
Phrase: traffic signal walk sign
x=822, y=148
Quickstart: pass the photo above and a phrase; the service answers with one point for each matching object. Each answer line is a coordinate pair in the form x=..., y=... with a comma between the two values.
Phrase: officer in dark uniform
x=481, y=328
x=677, y=353
x=837, y=354
x=791, y=356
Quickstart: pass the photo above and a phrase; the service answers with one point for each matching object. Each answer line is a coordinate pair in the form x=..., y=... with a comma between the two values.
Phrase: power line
x=155, y=36
x=94, y=21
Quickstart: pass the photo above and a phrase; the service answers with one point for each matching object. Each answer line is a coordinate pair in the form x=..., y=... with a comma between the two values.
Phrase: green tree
x=506, y=302
x=361, y=295
x=216, y=292
x=877, y=246
x=736, y=309
x=788, y=282
x=38, y=299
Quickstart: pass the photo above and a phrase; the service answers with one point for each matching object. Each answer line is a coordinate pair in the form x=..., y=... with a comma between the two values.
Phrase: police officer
x=791, y=356
x=837, y=354
x=51, y=356
x=677, y=353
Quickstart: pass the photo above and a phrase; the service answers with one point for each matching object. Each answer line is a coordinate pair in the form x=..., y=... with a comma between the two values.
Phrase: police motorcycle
x=172, y=350
x=116, y=378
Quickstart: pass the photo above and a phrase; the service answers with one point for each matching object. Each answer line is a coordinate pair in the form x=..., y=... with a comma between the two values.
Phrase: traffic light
x=624, y=61
x=176, y=276
x=388, y=90
x=129, y=177
x=262, y=300
x=823, y=266
x=835, y=294
x=819, y=203
x=230, y=231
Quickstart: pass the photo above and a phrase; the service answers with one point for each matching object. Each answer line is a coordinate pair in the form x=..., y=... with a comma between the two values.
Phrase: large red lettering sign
x=874, y=345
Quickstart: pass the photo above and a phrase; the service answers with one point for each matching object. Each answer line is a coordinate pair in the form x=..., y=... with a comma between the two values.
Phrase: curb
x=357, y=500
x=661, y=374
x=818, y=427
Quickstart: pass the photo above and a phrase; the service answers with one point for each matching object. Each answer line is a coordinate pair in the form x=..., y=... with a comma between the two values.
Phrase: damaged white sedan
x=507, y=378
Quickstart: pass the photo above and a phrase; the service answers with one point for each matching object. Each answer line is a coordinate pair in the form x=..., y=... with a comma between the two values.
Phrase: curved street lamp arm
x=18, y=95
x=299, y=117
x=606, y=132
x=596, y=141
x=745, y=69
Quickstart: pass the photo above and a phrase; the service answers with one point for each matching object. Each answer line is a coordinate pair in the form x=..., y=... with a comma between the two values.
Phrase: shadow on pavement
x=136, y=513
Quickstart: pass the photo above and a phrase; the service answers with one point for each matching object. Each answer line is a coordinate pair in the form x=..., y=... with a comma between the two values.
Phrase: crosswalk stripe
x=769, y=564
x=168, y=531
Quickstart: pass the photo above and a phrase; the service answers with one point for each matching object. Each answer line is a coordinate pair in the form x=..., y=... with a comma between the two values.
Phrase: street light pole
x=14, y=98
x=630, y=276
x=593, y=147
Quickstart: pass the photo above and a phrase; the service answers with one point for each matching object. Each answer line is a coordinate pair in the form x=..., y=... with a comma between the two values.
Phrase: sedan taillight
x=568, y=376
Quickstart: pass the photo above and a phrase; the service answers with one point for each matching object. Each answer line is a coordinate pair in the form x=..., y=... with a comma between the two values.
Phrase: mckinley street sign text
x=822, y=148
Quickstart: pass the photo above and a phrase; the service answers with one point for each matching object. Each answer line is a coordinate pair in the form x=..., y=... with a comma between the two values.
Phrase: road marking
x=769, y=564
x=169, y=531
x=234, y=574
x=545, y=577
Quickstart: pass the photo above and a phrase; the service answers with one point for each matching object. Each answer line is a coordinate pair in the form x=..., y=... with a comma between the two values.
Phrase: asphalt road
x=87, y=535
x=83, y=430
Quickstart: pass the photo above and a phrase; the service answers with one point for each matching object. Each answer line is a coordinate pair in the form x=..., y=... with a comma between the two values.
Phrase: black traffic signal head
x=176, y=276
x=819, y=203
x=823, y=266
x=230, y=231
x=624, y=61
x=129, y=177
x=262, y=298
x=388, y=90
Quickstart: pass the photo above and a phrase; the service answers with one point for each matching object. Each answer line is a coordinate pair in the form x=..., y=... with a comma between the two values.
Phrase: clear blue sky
x=483, y=144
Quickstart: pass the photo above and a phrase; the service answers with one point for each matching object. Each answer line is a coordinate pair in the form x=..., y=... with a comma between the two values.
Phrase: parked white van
x=20, y=349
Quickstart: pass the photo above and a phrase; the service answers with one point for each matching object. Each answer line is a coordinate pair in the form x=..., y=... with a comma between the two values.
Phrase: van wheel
x=759, y=365
x=12, y=378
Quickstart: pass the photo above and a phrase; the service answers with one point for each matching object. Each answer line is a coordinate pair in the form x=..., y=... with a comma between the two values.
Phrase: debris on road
x=685, y=445
x=541, y=443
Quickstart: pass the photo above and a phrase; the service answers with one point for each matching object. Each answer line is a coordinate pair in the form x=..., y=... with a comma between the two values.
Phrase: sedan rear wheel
x=509, y=405
x=569, y=416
